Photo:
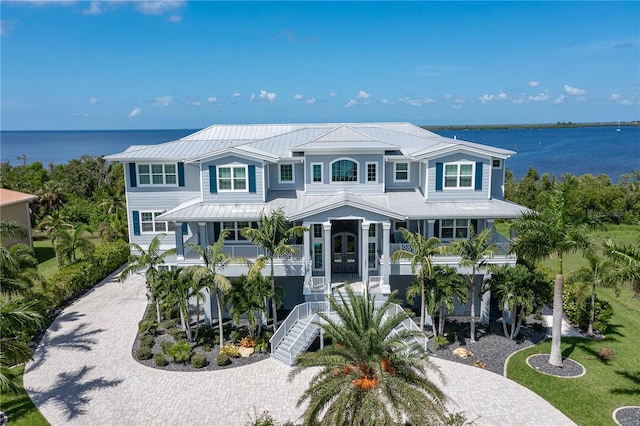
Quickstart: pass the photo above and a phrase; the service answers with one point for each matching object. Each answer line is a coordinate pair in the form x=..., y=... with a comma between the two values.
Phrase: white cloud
x=456, y=106
x=310, y=101
x=540, y=97
x=522, y=99
x=333, y=94
x=351, y=103
x=267, y=96
x=252, y=97
x=385, y=101
x=447, y=96
x=363, y=95
x=626, y=102
x=175, y=18
x=533, y=83
x=574, y=91
x=212, y=99
x=416, y=101
x=297, y=97
x=460, y=100
x=93, y=100
x=559, y=100
x=236, y=95
x=158, y=7
x=6, y=26
x=193, y=102
x=488, y=98
x=93, y=9
x=135, y=112
x=164, y=101
x=614, y=97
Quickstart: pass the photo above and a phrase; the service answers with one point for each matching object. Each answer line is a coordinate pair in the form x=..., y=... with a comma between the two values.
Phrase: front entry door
x=345, y=253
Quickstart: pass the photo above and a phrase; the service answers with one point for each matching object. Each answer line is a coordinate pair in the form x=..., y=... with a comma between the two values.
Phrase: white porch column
x=306, y=253
x=202, y=230
x=386, y=255
x=364, y=251
x=179, y=241
x=491, y=224
x=485, y=303
x=326, y=226
x=431, y=229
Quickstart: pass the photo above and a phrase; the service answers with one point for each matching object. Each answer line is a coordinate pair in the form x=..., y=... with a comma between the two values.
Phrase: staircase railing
x=300, y=311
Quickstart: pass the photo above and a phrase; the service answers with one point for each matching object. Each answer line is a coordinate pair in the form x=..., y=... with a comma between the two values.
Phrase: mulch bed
x=568, y=369
x=627, y=416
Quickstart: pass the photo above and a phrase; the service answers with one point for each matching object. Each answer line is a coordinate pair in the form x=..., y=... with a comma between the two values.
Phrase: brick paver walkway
x=83, y=373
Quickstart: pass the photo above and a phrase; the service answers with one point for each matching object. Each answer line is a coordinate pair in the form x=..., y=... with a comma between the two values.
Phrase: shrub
x=440, y=341
x=147, y=326
x=223, y=359
x=147, y=341
x=264, y=419
x=206, y=347
x=536, y=326
x=261, y=345
x=166, y=345
x=606, y=354
x=177, y=333
x=143, y=353
x=247, y=342
x=160, y=360
x=577, y=309
x=238, y=334
x=171, y=323
x=198, y=361
x=180, y=352
x=230, y=350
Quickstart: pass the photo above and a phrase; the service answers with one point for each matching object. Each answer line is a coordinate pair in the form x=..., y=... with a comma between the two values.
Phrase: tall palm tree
x=372, y=375
x=247, y=296
x=176, y=290
x=16, y=318
x=148, y=260
x=626, y=260
x=272, y=235
x=597, y=273
x=448, y=286
x=215, y=260
x=51, y=195
x=473, y=252
x=554, y=231
x=67, y=243
x=421, y=265
x=53, y=223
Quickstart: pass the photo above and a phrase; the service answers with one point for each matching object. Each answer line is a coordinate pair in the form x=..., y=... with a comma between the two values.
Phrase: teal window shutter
x=180, y=174
x=132, y=175
x=479, y=176
x=213, y=183
x=252, y=178
x=438, y=176
x=185, y=228
x=136, y=222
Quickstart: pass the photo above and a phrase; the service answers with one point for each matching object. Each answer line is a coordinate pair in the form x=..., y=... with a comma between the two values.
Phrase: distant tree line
x=617, y=203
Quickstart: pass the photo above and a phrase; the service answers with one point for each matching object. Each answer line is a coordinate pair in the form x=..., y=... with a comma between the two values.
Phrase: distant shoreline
x=558, y=125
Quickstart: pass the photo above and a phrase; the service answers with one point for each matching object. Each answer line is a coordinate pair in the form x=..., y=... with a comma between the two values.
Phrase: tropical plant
x=148, y=260
x=626, y=263
x=473, y=252
x=210, y=275
x=18, y=265
x=67, y=243
x=421, y=265
x=247, y=296
x=272, y=235
x=371, y=374
x=113, y=229
x=448, y=285
x=51, y=196
x=174, y=288
x=17, y=318
x=596, y=274
x=53, y=223
x=554, y=231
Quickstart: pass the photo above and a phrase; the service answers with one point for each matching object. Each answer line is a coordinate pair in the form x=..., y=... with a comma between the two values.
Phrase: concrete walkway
x=83, y=373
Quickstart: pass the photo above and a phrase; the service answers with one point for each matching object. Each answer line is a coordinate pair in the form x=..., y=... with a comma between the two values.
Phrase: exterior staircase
x=300, y=329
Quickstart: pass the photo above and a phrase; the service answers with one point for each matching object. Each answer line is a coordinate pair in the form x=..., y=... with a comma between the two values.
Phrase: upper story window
x=157, y=174
x=316, y=172
x=232, y=178
x=149, y=223
x=400, y=172
x=317, y=230
x=372, y=172
x=497, y=163
x=286, y=173
x=458, y=175
x=399, y=224
x=344, y=171
x=372, y=230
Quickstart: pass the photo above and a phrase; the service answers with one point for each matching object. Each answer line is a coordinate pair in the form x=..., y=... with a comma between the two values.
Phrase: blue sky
x=176, y=64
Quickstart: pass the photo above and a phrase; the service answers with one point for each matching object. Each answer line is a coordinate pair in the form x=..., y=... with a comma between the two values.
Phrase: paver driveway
x=83, y=373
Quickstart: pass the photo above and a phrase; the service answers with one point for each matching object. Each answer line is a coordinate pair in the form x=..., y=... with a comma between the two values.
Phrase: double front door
x=345, y=253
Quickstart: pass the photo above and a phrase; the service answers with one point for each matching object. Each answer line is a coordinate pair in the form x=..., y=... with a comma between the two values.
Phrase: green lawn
x=46, y=256
x=591, y=399
x=20, y=409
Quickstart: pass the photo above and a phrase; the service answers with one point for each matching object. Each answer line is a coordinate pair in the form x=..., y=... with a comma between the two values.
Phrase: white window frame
x=397, y=223
x=455, y=229
x=293, y=173
x=320, y=255
x=321, y=172
x=458, y=176
x=232, y=167
x=396, y=171
x=375, y=164
x=338, y=182
x=164, y=174
x=155, y=223
x=235, y=230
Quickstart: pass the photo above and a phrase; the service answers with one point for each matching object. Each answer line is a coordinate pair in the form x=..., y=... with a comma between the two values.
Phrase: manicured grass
x=46, y=255
x=20, y=409
x=591, y=399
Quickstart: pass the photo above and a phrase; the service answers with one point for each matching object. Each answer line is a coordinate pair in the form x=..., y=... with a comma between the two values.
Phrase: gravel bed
x=627, y=416
x=569, y=368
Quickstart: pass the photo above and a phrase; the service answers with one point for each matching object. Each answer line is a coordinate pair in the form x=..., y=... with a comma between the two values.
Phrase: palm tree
x=67, y=243
x=148, y=261
x=448, y=286
x=421, y=265
x=113, y=229
x=16, y=318
x=53, y=223
x=51, y=195
x=215, y=260
x=626, y=263
x=597, y=274
x=248, y=296
x=370, y=375
x=272, y=235
x=18, y=265
x=553, y=232
x=174, y=288
x=473, y=252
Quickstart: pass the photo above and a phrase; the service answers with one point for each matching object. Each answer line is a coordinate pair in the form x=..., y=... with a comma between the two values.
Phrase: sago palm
x=421, y=265
x=371, y=374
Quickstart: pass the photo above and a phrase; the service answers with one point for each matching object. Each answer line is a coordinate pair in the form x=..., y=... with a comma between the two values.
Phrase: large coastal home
x=353, y=185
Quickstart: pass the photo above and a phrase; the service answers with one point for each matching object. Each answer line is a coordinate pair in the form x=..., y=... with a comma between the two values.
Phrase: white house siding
x=232, y=196
x=456, y=194
x=414, y=175
x=273, y=176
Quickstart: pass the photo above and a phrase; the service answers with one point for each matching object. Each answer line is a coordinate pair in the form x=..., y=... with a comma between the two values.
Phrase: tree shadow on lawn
x=44, y=253
x=634, y=378
x=70, y=391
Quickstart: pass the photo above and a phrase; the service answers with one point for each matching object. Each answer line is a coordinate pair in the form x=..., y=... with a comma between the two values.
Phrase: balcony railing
x=501, y=243
x=252, y=252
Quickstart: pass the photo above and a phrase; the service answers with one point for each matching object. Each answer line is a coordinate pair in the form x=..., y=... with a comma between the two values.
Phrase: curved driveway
x=83, y=373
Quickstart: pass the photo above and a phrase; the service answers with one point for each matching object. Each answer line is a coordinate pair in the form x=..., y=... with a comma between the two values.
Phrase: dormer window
x=401, y=172
x=344, y=171
x=286, y=173
x=458, y=175
x=157, y=174
x=232, y=178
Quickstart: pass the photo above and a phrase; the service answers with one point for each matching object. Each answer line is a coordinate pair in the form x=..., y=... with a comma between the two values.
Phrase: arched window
x=344, y=171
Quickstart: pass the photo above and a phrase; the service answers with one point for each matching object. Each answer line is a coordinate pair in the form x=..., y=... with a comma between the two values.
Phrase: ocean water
x=578, y=151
